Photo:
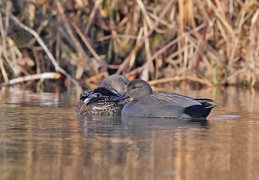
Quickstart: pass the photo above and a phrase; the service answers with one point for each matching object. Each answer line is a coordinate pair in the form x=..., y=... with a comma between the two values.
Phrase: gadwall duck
x=100, y=100
x=145, y=103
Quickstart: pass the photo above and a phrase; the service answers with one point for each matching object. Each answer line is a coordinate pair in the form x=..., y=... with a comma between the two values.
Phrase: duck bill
x=122, y=97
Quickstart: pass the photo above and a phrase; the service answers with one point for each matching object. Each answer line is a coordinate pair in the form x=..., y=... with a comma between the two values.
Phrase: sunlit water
x=41, y=138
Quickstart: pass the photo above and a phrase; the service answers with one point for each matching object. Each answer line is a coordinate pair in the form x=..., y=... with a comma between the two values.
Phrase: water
x=41, y=138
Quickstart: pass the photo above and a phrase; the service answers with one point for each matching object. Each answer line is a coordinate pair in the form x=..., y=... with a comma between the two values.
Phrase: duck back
x=168, y=105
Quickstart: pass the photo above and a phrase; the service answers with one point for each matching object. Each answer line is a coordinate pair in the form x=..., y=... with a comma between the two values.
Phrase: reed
x=195, y=41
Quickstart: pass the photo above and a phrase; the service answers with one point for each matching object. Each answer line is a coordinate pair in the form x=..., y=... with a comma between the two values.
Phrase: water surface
x=41, y=138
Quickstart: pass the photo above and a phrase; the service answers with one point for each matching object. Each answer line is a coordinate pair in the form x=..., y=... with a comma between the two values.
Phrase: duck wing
x=98, y=94
x=106, y=91
x=173, y=99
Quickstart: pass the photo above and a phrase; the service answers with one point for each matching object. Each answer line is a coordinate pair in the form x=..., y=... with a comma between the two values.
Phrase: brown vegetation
x=202, y=41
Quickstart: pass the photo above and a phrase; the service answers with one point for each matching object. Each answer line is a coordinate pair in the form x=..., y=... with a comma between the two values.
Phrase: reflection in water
x=41, y=138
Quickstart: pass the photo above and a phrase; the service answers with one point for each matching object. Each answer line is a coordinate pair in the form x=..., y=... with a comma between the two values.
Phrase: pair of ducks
x=109, y=99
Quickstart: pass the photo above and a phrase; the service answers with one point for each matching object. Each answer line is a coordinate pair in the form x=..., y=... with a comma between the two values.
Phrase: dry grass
x=203, y=41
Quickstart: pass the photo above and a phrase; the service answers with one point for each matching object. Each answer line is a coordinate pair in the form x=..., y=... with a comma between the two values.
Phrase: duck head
x=136, y=89
x=117, y=82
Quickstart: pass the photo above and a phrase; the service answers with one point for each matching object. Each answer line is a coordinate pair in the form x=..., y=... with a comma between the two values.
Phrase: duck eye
x=134, y=87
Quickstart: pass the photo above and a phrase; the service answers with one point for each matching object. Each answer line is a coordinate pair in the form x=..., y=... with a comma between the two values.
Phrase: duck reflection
x=109, y=125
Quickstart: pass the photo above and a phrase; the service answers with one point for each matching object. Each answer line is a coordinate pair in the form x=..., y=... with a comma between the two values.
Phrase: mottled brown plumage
x=100, y=100
x=100, y=107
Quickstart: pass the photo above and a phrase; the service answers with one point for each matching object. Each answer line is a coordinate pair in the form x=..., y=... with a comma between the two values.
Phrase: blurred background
x=79, y=42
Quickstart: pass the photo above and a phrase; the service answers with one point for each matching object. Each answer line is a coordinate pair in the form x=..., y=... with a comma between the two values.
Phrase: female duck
x=100, y=100
x=165, y=105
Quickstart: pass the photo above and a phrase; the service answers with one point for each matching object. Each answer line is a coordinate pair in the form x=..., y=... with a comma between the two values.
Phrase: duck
x=100, y=100
x=147, y=104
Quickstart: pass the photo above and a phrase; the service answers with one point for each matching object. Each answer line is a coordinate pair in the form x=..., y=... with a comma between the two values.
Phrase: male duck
x=165, y=105
x=100, y=100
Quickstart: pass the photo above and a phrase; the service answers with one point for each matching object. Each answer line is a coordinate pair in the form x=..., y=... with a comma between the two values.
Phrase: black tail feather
x=204, y=100
x=199, y=111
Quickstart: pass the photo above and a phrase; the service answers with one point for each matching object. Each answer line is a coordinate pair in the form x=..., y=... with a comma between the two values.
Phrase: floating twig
x=42, y=76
